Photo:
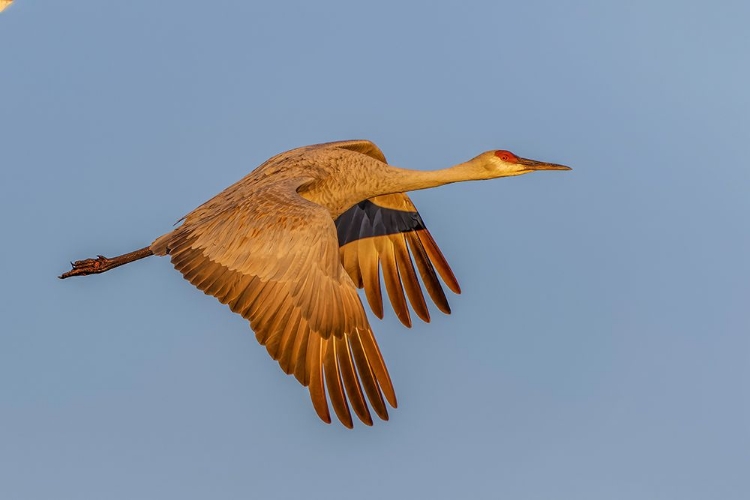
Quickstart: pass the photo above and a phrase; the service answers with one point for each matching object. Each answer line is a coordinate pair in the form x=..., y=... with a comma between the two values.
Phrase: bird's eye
x=506, y=156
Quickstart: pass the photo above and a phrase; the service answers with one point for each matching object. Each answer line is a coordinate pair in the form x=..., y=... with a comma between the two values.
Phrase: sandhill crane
x=287, y=246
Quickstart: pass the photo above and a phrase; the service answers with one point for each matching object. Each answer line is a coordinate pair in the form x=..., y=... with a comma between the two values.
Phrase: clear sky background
x=601, y=347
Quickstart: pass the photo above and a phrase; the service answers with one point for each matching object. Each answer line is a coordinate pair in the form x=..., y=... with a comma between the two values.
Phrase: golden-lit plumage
x=287, y=246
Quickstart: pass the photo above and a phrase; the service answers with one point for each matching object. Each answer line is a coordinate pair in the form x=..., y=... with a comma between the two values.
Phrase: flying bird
x=288, y=245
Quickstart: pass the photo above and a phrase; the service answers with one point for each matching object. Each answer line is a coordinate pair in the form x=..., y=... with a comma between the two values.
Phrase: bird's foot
x=87, y=266
x=102, y=263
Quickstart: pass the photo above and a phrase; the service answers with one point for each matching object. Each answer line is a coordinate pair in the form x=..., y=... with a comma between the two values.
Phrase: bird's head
x=502, y=163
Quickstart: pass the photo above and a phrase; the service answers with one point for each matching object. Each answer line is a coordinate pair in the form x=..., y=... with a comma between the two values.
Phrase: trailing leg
x=102, y=264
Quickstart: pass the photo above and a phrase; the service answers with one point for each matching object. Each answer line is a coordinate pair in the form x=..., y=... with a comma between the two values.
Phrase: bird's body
x=287, y=246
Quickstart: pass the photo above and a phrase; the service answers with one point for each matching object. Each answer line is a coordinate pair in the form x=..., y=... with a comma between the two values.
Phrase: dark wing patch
x=367, y=219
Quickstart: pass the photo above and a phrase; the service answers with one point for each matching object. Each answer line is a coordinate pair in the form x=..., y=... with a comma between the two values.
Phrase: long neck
x=400, y=180
x=338, y=193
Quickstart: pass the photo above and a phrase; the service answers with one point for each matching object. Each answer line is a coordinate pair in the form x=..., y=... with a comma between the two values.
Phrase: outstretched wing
x=273, y=258
x=387, y=233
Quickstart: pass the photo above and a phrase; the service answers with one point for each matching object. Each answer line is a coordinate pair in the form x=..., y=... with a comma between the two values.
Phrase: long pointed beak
x=540, y=165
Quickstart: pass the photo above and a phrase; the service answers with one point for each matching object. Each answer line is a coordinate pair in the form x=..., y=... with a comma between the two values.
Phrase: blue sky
x=600, y=347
